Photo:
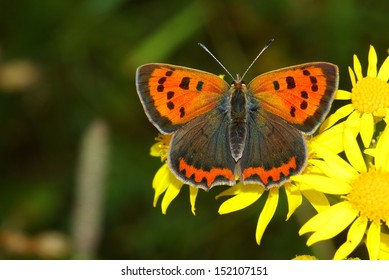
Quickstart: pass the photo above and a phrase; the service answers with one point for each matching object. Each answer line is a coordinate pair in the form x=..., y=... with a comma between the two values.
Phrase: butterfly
x=222, y=133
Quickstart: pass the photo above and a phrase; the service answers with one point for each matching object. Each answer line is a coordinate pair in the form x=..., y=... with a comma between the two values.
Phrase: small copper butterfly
x=254, y=132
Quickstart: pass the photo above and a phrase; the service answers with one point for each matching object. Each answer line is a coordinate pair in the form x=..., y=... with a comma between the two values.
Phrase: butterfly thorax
x=238, y=116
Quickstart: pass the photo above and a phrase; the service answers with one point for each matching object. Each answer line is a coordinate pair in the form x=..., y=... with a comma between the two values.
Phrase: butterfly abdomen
x=238, y=127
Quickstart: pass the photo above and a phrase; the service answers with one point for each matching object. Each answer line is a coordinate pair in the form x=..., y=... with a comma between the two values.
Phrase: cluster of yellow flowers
x=348, y=159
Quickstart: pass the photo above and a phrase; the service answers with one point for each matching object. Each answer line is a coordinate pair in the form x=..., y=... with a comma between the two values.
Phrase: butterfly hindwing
x=301, y=94
x=199, y=151
x=274, y=150
x=173, y=95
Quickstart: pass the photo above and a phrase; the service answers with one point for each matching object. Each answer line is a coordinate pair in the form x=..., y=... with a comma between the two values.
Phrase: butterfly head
x=238, y=83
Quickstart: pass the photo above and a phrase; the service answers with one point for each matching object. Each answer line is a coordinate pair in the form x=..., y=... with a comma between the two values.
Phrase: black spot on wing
x=291, y=84
x=185, y=83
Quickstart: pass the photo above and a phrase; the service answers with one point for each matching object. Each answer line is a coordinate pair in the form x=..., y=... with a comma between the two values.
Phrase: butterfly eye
x=238, y=84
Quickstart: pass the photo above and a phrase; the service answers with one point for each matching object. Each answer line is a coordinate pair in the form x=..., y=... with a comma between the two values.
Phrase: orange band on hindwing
x=199, y=175
x=274, y=173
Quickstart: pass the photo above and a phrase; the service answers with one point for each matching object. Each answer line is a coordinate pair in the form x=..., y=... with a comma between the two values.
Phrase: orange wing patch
x=199, y=175
x=302, y=94
x=173, y=95
x=265, y=175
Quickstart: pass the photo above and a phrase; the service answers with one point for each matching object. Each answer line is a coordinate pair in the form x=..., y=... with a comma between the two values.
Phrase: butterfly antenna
x=214, y=57
x=264, y=48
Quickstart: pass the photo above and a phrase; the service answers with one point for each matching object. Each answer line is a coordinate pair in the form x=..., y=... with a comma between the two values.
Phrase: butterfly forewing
x=173, y=95
x=301, y=95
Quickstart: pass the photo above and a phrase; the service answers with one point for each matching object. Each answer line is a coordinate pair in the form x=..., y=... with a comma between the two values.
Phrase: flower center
x=370, y=195
x=370, y=94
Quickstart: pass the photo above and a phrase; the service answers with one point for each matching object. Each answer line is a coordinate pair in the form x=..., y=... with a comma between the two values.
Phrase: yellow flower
x=164, y=180
x=364, y=191
x=305, y=258
x=369, y=98
x=245, y=195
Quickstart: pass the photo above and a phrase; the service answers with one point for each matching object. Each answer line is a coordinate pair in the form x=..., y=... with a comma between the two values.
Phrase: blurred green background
x=75, y=170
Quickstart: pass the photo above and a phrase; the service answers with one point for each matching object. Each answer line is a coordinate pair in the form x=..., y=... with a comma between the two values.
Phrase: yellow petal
x=352, y=76
x=354, y=121
x=335, y=117
x=357, y=67
x=384, y=255
x=372, y=67
x=382, y=151
x=373, y=240
x=340, y=168
x=321, y=219
x=324, y=169
x=248, y=196
x=367, y=128
x=294, y=198
x=332, y=138
x=311, y=169
x=323, y=184
x=353, y=151
x=267, y=213
x=160, y=182
x=193, y=191
x=354, y=238
x=155, y=149
x=330, y=222
x=172, y=191
x=383, y=74
x=342, y=95
x=384, y=247
x=234, y=190
x=317, y=199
